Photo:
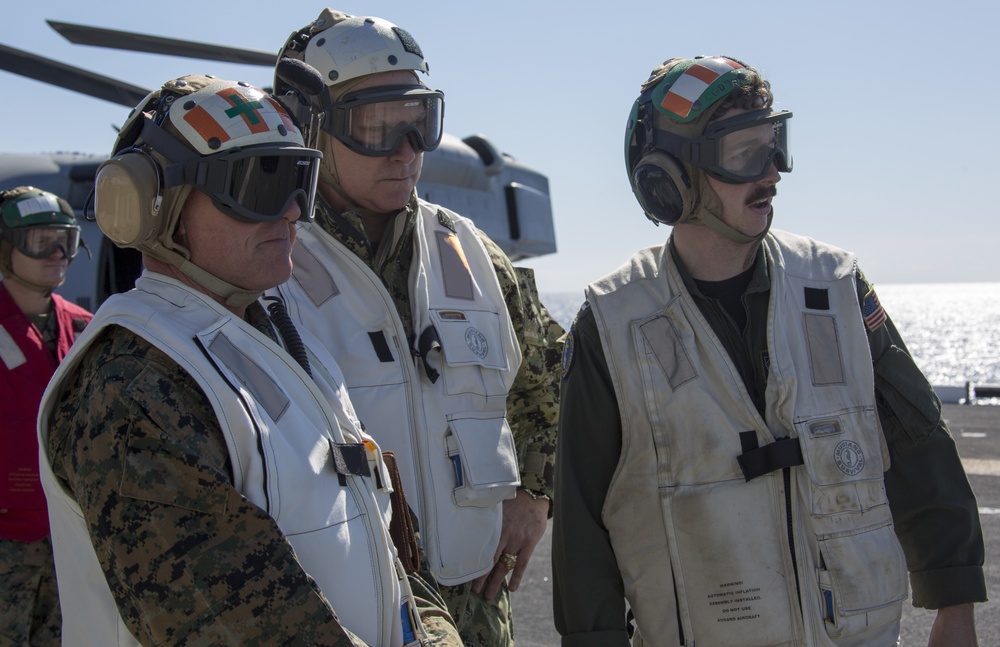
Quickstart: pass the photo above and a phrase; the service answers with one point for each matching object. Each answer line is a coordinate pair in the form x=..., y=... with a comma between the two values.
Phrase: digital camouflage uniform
x=188, y=559
x=31, y=598
x=533, y=401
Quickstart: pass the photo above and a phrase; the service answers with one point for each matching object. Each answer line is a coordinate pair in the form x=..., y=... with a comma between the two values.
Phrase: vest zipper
x=789, y=528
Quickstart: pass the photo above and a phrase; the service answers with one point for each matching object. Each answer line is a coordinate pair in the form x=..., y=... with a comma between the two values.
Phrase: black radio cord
x=289, y=335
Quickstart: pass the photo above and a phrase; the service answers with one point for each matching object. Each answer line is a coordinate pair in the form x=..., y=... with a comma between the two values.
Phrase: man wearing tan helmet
x=208, y=480
x=748, y=454
x=445, y=349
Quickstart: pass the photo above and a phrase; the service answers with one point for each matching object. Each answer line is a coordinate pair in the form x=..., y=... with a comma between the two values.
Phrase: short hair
x=755, y=95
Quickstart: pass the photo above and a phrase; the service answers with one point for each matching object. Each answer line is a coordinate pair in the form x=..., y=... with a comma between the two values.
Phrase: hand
x=524, y=520
x=954, y=626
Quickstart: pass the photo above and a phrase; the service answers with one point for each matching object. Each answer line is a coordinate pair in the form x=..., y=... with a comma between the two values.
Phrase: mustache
x=763, y=193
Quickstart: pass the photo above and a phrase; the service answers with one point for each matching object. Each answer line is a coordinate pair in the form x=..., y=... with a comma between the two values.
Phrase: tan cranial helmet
x=226, y=139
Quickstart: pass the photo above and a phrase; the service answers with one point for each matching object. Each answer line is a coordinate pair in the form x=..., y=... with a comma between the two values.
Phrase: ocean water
x=951, y=329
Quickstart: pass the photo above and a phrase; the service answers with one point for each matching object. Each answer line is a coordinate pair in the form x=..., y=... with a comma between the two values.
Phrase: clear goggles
x=736, y=150
x=374, y=122
x=257, y=184
x=43, y=241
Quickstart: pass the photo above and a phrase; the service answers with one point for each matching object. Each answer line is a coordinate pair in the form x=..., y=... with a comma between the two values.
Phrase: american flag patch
x=689, y=87
x=872, y=311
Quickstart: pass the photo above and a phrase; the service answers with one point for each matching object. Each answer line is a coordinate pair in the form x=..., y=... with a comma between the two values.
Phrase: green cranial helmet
x=674, y=138
x=26, y=206
x=38, y=224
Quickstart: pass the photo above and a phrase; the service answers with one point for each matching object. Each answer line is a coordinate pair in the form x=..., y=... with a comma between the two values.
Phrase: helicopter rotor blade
x=72, y=78
x=114, y=39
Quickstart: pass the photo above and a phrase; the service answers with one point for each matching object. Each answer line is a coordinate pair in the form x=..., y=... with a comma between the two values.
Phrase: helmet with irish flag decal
x=227, y=139
x=675, y=138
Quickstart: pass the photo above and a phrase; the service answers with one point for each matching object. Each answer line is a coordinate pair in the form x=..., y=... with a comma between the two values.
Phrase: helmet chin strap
x=235, y=297
x=44, y=290
x=7, y=270
x=707, y=213
x=329, y=176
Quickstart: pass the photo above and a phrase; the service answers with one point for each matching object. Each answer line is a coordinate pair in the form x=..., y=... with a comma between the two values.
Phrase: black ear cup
x=663, y=188
x=128, y=195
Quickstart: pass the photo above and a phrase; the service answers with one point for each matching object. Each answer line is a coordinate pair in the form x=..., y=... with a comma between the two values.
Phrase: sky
x=893, y=106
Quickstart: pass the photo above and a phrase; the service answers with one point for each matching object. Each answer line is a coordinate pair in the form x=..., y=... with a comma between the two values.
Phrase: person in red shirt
x=39, y=237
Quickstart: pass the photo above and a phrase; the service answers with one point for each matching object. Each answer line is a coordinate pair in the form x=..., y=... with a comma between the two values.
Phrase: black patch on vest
x=445, y=220
x=349, y=459
x=817, y=298
x=381, y=346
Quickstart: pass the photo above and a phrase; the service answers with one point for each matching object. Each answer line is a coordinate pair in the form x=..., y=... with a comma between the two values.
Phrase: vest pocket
x=862, y=580
x=484, y=461
x=472, y=349
x=842, y=447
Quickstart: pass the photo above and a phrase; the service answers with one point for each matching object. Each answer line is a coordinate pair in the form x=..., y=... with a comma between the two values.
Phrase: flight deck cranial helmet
x=674, y=141
x=321, y=63
x=37, y=224
x=227, y=139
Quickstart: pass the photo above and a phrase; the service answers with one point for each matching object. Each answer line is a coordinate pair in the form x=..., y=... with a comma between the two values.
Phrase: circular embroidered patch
x=850, y=459
x=566, y=363
x=477, y=342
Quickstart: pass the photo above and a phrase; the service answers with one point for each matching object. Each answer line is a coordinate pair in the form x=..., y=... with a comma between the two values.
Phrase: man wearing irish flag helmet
x=748, y=455
x=208, y=479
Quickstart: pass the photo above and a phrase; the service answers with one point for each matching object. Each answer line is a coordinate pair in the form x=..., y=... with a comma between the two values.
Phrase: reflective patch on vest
x=457, y=275
x=251, y=377
x=821, y=428
x=817, y=298
x=10, y=352
x=569, y=347
x=850, y=459
x=662, y=338
x=309, y=273
x=825, y=362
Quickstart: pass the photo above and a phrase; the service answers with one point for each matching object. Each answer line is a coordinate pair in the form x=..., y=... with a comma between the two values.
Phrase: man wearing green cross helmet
x=748, y=454
x=39, y=238
x=207, y=478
